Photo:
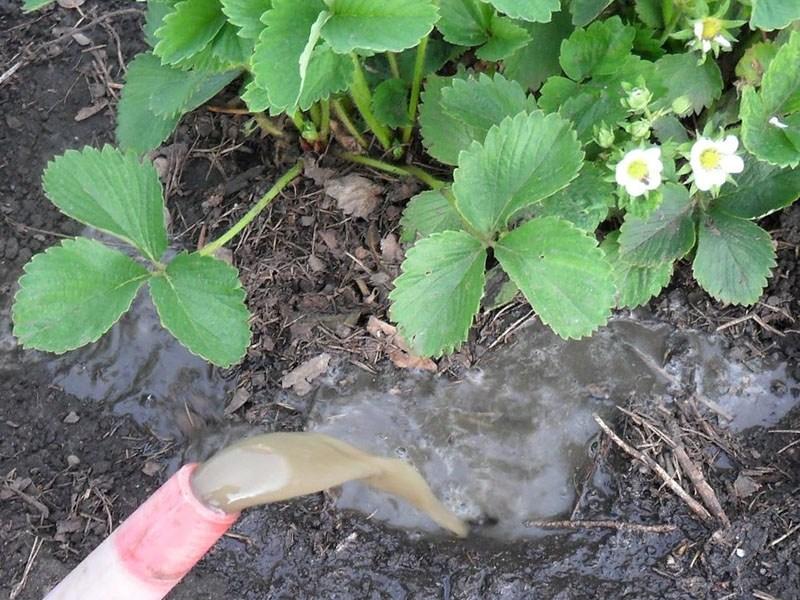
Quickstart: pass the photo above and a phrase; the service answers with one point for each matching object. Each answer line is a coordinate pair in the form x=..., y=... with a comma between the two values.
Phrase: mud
x=72, y=467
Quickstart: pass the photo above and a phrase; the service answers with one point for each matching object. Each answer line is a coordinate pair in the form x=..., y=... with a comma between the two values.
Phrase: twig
x=693, y=504
x=37, y=545
x=778, y=540
x=30, y=500
x=706, y=492
x=602, y=524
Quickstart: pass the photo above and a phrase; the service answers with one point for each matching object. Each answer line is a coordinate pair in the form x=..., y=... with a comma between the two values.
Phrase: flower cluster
x=711, y=161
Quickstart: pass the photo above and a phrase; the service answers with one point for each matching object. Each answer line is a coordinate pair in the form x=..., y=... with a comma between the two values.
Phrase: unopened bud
x=639, y=129
x=604, y=136
x=638, y=99
x=681, y=105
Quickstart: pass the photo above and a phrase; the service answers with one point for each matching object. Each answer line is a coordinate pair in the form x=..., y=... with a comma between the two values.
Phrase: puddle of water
x=140, y=370
x=508, y=443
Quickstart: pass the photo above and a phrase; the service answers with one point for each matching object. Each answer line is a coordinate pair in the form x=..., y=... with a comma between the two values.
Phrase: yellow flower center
x=710, y=159
x=711, y=28
x=638, y=170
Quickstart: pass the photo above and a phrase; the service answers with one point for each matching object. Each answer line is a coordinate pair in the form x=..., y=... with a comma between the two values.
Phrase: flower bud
x=681, y=105
x=604, y=136
x=638, y=99
x=639, y=129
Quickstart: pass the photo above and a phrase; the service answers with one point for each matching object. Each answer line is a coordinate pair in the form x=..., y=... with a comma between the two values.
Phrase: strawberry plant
x=664, y=129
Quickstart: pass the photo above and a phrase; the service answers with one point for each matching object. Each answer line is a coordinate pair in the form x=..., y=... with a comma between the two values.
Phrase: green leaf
x=586, y=11
x=528, y=10
x=154, y=18
x=759, y=190
x=522, y=161
x=600, y=50
x=465, y=22
x=439, y=291
x=755, y=62
x=139, y=129
x=666, y=234
x=774, y=14
x=201, y=302
x=73, y=293
x=289, y=82
x=188, y=29
x=385, y=26
x=635, y=285
x=650, y=13
x=173, y=92
x=442, y=135
x=734, y=258
x=562, y=273
x=246, y=15
x=390, y=103
x=505, y=37
x=427, y=213
x=702, y=84
x=111, y=191
x=255, y=97
x=777, y=143
x=483, y=102
x=31, y=5
x=584, y=202
x=538, y=59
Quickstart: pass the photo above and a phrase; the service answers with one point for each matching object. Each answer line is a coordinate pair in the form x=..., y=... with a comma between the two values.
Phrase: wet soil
x=73, y=468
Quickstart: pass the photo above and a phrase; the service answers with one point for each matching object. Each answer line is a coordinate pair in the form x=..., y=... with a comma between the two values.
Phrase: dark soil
x=314, y=277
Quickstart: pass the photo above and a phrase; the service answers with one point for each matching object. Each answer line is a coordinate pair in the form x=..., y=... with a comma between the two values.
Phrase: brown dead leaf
x=391, y=251
x=90, y=111
x=301, y=377
x=316, y=264
x=151, y=468
x=745, y=486
x=240, y=398
x=346, y=141
x=320, y=175
x=396, y=347
x=355, y=195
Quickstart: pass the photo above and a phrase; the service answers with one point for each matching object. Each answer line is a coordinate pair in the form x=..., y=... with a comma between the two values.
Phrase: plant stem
x=266, y=125
x=341, y=114
x=251, y=214
x=325, y=119
x=316, y=115
x=404, y=171
x=363, y=100
x=416, y=84
x=393, y=67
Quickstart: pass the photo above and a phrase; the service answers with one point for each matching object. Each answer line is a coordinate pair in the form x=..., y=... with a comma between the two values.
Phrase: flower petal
x=728, y=145
x=635, y=188
x=732, y=164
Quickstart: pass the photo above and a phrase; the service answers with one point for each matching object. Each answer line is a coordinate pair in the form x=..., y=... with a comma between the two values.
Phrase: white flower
x=639, y=171
x=707, y=31
x=713, y=161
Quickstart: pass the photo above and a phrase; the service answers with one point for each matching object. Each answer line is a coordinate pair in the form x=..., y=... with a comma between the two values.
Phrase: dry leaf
x=239, y=399
x=320, y=175
x=346, y=141
x=81, y=39
x=744, y=486
x=70, y=3
x=151, y=469
x=71, y=418
x=391, y=251
x=396, y=348
x=355, y=195
x=300, y=378
x=316, y=264
x=90, y=111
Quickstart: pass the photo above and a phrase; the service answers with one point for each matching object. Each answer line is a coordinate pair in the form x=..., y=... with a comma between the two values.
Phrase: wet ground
x=504, y=435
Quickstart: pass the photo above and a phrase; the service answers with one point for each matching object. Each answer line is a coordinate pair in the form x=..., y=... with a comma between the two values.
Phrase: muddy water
x=509, y=442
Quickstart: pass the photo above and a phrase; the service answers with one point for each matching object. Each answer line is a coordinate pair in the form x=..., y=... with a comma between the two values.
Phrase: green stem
x=316, y=114
x=404, y=171
x=325, y=120
x=251, y=214
x=393, y=66
x=266, y=125
x=306, y=128
x=344, y=117
x=416, y=84
x=363, y=100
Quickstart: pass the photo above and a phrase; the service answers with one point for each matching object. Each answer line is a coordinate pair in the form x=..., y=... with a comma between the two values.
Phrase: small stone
x=740, y=553
x=71, y=418
x=151, y=468
x=73, y=461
